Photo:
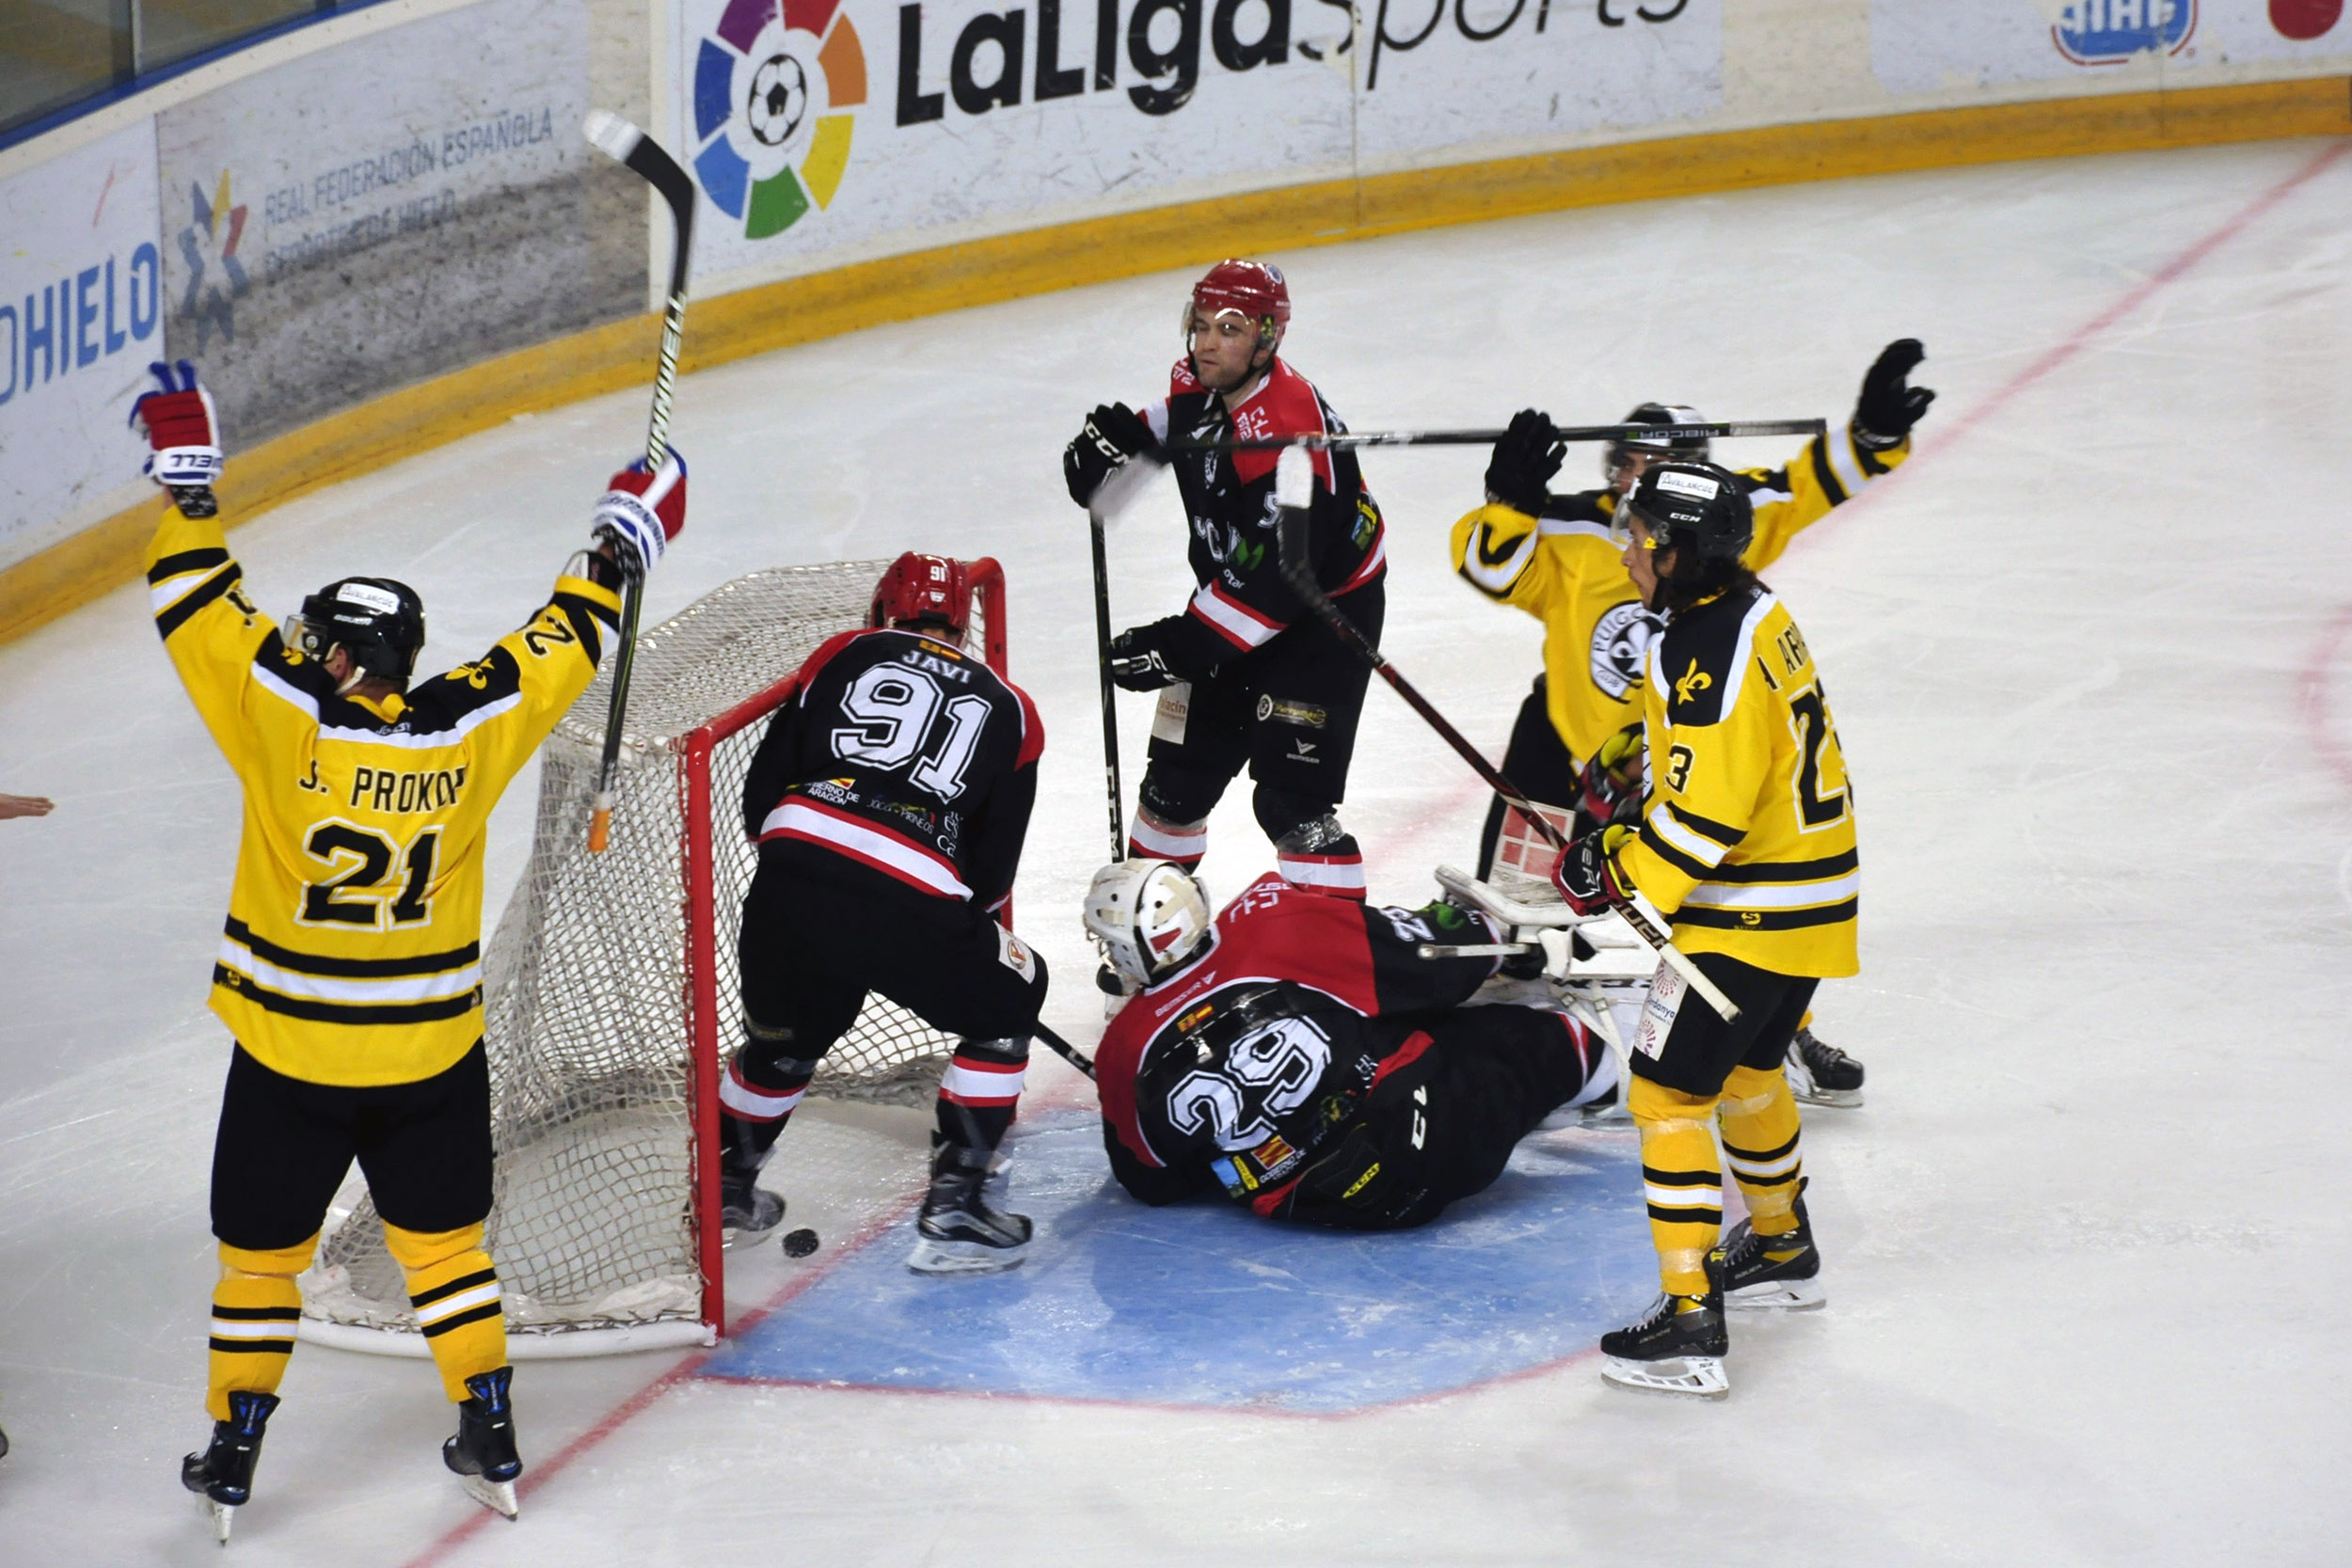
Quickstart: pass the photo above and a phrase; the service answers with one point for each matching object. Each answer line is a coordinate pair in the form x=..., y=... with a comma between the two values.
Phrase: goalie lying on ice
x=1299, y=1053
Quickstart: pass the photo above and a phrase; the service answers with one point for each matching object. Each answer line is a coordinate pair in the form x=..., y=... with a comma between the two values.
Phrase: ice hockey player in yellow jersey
x=349, y=970
x=1551, y=556
x=1745, y=842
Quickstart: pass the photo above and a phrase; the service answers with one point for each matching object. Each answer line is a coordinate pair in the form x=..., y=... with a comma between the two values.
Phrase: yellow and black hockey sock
x=1760, y=1143
x=1681, y=1181
x=455, y=1292
x=257, y=1309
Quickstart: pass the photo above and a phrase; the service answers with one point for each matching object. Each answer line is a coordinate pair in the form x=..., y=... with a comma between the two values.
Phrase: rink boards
x=1201, y=1304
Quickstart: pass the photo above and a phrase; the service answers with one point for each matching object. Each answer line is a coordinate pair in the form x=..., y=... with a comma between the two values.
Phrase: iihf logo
x=2108, y=32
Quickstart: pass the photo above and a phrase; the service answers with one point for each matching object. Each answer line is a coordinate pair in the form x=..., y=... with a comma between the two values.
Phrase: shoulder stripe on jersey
x=1493, y=570
x=467, y=724
x=170, y=620
x=1823, y=473
x=1788, y=871
x=313, y=1010
x=1375, y=563
x=1872, y=465
x=1745, y=648
x=185, y=562
x=351, y=969
x=1563, y=528
x=1772, y=895
x=1766, y=920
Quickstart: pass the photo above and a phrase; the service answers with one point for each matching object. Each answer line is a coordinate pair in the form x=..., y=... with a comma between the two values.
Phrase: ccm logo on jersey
x=381, y=789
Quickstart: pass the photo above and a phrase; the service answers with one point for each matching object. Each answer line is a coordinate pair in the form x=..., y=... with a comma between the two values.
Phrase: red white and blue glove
x=179, y=424
x=642, y=512
x=1587, y=873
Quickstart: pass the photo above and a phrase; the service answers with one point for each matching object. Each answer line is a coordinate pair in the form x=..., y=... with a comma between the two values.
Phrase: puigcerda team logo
x=774, y=86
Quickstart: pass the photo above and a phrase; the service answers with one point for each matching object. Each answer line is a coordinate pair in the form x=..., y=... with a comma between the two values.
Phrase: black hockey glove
x=1137, y=662
x=1889, y=405
x=1519, y=473
x=1114, y=434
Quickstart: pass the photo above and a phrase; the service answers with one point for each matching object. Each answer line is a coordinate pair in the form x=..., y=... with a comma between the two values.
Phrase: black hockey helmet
x=1620, y=454
x=378, y=622
x=1695, y=508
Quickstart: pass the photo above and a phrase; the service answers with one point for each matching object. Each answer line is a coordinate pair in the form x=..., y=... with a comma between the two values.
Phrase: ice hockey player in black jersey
x=1299, y=1055
x=889, y=798
x=1247, y=674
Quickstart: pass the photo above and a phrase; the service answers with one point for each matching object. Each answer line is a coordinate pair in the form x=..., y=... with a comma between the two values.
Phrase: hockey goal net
x=610, y=996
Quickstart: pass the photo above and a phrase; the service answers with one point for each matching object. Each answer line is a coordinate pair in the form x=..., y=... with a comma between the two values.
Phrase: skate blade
x=1778, y=1295
x=731, y=1240
x=223, y=1518
x=495, y=1495
x=1697, y=1376
x=931, y=1257
x=1844, y=1100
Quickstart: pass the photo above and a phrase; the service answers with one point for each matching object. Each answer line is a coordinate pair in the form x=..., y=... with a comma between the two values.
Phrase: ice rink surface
x=2091, y=661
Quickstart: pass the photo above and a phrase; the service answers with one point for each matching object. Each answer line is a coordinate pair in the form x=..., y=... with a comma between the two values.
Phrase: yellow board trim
x=733, y=326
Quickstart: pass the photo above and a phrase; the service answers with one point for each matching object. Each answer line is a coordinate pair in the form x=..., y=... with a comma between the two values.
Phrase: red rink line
x=2314, y=685
x=2313, y=693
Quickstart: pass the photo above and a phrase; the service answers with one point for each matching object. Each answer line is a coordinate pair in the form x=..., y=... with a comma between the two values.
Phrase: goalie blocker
x=1299, y=1056
x=890, y=797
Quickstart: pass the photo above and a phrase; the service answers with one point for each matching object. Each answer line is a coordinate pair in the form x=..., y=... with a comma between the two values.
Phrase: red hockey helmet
x=1252, y=288
x=923, y=591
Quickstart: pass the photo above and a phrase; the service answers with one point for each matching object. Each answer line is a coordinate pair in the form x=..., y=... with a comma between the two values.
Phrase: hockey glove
x=1519, y=473
x=642, y=511
x=1137, y=662
x=1613, y=778
x=1587, y=873
x=1889, y=405
x=1114, y=434
x=180, y=425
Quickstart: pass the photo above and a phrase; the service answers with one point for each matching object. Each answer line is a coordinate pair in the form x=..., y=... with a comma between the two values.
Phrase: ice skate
x=482, y=1454
x=747, y=1210
x=1677, y=1348
x=222, y=1474
x=1772, y=1272
x=957, y=1232
x=1821, y=1074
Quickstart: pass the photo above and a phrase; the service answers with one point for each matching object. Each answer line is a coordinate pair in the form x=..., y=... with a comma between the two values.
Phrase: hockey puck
x=800, y=1244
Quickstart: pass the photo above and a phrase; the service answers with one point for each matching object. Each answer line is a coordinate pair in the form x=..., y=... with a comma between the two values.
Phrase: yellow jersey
x=1747, y=837
x=1563, y=569
x=352, y=953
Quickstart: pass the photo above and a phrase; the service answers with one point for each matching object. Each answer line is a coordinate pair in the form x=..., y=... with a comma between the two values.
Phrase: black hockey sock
x=979, y=1091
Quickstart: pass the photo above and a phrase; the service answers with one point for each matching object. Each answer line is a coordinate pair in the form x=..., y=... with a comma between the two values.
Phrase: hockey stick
x=1110, y=498
x=1063, y=1048
x=1721, y=432
x=618, y=139
x=1299, y=572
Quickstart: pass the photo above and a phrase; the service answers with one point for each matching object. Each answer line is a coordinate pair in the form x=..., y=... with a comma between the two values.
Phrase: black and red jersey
x=906, y=755
x=1231, y=1071
x=1242, y=602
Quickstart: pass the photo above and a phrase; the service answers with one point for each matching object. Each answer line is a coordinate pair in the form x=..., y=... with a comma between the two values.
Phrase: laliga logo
x=770, y=89
x=2108, y=32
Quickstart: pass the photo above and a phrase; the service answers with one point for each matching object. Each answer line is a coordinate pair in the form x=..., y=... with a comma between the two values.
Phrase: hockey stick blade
x=1723, y=431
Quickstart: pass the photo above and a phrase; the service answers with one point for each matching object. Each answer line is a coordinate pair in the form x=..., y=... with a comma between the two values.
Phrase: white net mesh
x=592, y=1224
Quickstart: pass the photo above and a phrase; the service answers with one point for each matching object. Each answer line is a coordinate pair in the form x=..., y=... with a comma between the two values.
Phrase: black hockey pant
x=821, y=932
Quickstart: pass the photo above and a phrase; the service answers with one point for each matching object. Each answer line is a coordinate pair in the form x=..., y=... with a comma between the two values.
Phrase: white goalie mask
x=1150, y=918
